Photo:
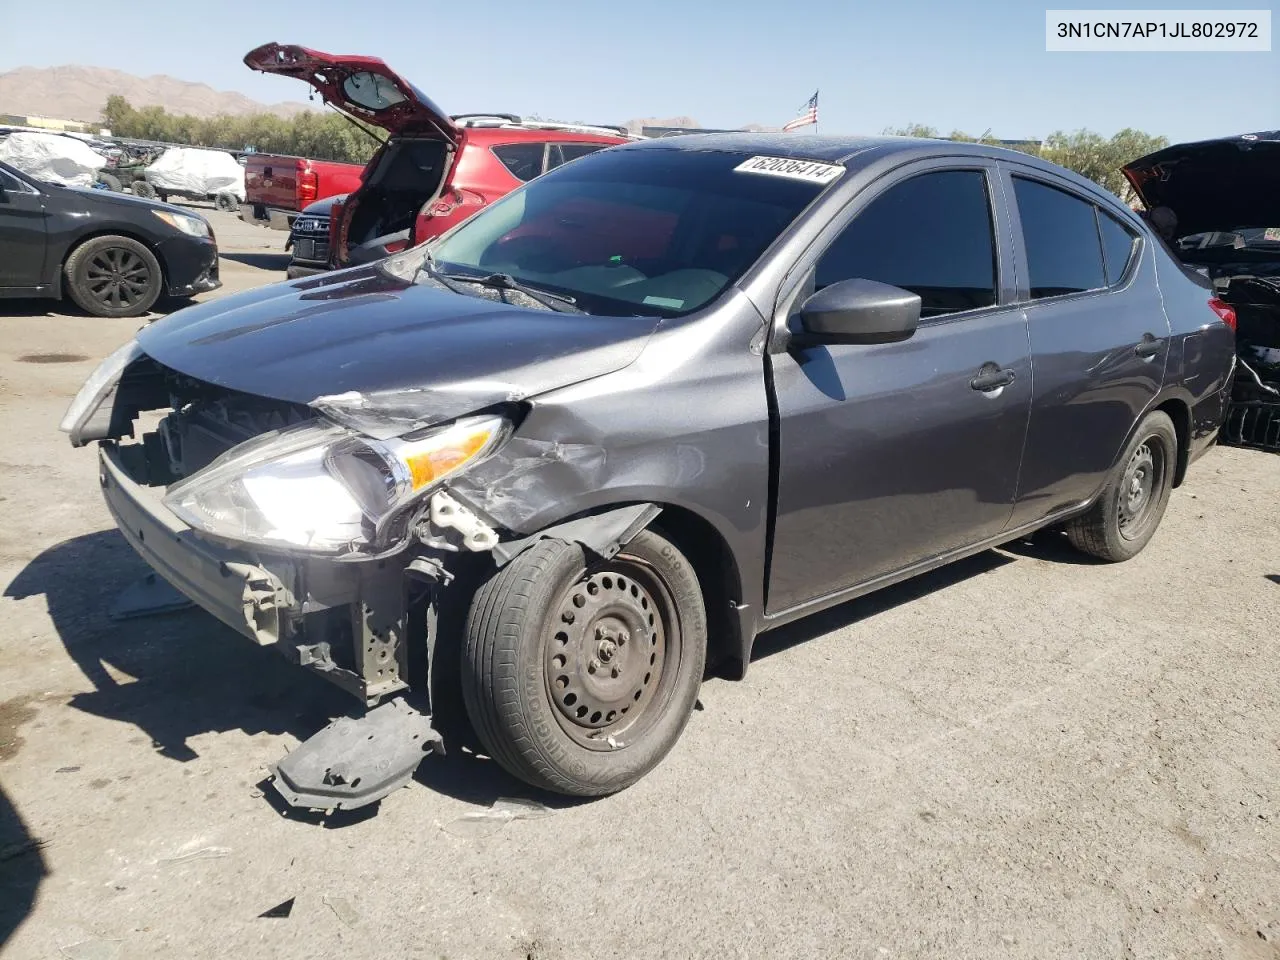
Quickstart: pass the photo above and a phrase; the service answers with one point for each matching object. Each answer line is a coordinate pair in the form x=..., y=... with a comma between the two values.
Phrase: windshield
x=656, y=232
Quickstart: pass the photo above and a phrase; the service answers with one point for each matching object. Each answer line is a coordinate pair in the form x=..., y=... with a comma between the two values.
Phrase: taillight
x=308, y=187
x=1226, y=313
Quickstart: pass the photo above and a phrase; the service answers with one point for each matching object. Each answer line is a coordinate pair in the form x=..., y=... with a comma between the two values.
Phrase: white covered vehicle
x=53, y=158
x=197, y=174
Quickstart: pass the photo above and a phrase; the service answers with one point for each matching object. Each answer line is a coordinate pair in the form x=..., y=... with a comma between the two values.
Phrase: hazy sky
x=971, y=65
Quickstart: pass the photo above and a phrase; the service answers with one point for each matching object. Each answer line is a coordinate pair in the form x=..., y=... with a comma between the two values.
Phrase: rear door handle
x=1148, y=346
x=991, y=377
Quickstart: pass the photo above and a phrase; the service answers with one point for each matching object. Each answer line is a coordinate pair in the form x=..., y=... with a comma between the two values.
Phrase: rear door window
x=1117, y=246
x=1060, y=234
x=931, y=235
x=560, y=153
x=522, y=160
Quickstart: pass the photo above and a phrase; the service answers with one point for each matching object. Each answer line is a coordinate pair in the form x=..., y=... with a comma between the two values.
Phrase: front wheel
x=580, y=676
x=1126, y=514
x=113, y=277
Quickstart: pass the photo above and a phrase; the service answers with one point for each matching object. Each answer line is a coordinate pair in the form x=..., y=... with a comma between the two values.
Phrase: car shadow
x=31, y=308
x=851, y=612
x=262, y=261
x=22, y=868
x=179, y=675
x=1051, y=545
x=173, y=676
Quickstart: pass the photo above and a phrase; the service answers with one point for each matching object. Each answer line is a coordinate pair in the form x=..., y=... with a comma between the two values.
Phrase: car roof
x=857, y=152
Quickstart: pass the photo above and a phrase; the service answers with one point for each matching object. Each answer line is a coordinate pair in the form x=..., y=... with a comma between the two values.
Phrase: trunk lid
x=363, y=87
x=1213, y=185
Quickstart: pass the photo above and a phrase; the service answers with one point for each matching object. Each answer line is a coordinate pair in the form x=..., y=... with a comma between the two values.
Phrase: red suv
x=434, y=170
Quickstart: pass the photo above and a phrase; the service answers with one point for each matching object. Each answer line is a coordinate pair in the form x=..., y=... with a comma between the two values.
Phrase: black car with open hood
x=1218, y=203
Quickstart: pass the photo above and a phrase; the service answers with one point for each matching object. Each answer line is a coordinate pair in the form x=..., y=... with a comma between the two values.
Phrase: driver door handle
x=1148, y=346
x=991, y=377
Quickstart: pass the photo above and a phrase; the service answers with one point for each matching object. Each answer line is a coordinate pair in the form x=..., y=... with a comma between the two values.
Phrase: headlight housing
x=96, y=389
x=191, y=226
x=322, y=488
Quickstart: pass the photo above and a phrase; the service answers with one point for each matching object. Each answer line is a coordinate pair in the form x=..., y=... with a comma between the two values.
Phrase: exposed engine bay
x=1254, y=416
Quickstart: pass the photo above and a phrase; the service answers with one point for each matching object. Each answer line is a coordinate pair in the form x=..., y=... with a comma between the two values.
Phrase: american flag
x=808, y=115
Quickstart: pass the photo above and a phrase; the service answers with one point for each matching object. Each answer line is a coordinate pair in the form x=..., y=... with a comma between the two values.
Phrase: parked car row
x=623, y=420
x=113, y=254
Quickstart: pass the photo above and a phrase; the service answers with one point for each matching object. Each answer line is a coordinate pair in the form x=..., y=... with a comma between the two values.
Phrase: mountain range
x=80, y=93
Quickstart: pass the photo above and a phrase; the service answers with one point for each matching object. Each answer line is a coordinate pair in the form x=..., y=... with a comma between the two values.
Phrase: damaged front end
x=301, y=530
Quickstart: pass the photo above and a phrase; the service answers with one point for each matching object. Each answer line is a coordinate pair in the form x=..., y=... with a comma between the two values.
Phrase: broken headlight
x=322, y=488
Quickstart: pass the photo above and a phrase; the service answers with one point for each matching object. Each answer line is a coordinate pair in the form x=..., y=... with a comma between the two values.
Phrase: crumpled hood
x=1213, y=184
x=355, y=335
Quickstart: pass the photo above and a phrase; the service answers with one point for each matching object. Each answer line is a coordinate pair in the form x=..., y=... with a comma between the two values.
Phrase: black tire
x=111, y=183
x=1126, y=514
x=143, y=189
x=540, y=707
x=226, y=202
x=113, y=277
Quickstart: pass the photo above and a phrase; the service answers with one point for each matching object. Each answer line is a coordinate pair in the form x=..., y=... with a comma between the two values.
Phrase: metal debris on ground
x=279, y=911
x=206, y=853
x=343, y=908
x=484, y=823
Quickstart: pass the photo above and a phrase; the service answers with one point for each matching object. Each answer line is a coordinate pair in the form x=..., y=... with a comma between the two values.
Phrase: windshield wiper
x=504, y=281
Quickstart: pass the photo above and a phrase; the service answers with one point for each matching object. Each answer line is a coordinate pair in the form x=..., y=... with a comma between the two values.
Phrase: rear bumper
x=304, y=268
x=190, y=265
x=264, y=216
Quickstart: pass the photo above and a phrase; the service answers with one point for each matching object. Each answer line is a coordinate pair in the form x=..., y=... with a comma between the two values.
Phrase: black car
x=1218, y=201
x=641, y=410
x=113, y=254
x=308, y=240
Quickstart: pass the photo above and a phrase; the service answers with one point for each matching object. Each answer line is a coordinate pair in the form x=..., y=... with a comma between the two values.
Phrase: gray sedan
x=634, y=414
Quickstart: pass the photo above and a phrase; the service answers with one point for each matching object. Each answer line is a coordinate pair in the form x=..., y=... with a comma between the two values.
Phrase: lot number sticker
x=808, y=170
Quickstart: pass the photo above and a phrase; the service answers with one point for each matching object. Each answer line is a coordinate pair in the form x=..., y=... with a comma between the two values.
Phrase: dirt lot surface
x=1024, y=755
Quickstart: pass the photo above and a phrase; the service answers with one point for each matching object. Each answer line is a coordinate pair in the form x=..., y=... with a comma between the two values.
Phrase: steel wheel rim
x=1140, y=486
x=117, y=277
x=611, y=652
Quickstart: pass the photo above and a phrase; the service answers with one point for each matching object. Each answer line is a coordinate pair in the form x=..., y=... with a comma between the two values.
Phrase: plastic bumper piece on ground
x=352, y=763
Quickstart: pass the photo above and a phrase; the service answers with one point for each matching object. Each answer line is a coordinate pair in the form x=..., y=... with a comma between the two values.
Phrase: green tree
x=1087, y=153
x=324, y=136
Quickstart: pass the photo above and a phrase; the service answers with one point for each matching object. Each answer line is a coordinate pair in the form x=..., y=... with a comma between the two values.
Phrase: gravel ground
x=1023, y=755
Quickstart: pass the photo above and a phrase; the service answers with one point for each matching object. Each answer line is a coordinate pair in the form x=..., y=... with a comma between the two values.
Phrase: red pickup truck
x=277, y=188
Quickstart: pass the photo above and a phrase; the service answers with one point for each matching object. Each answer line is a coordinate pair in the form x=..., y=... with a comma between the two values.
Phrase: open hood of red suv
x=364, y=87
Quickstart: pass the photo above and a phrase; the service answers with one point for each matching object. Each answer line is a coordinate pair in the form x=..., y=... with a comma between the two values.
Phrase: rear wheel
x=143, y=189
x=226, y=202
x=579, y=677
x=1126, y=514
x=113, y=277
x=110, y=182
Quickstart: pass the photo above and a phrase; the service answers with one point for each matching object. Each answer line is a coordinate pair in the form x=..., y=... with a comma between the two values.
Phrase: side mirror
x=858, y=311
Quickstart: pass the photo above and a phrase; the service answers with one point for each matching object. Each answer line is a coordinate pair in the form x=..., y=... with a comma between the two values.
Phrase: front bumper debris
x=242, y=595
x=352, y=763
